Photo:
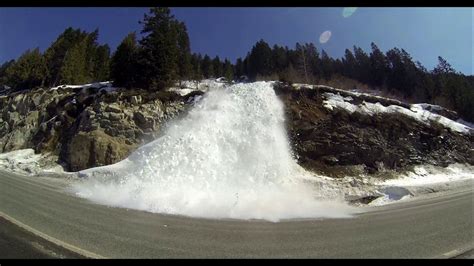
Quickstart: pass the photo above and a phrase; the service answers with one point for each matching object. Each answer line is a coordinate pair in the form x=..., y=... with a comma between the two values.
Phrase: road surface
x=436, y=227
x=18, y=243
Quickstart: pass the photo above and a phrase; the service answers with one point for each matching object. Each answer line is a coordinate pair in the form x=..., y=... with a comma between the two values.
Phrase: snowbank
x=187, y=86
x=460, y=121
x=27, y=162
x=417, y=111
x=105, y=86
x=422, y=176
x=428, y=174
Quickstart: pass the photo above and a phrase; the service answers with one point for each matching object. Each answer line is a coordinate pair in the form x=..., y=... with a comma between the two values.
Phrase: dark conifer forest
x=160, y=55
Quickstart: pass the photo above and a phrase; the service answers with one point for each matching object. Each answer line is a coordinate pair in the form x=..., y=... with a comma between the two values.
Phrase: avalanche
x=228, y=158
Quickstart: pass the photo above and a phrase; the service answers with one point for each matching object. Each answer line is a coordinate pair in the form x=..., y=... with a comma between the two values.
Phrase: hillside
x=332, y=132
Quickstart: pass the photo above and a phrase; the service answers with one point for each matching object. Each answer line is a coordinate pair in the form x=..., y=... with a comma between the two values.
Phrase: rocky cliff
x=95, y=125
x=85, y=126
x=340, y=140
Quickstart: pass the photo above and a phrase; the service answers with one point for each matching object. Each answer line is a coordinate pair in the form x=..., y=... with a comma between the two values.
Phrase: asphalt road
x=16, y=242
x=433, y=227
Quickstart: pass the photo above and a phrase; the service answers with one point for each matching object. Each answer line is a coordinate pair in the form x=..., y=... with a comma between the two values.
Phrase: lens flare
x=348, y=11
x=325, y=36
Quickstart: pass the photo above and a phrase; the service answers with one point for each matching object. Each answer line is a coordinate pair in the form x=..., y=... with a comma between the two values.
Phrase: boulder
x=142, y=120
x=115, y=116
x=13, y=118
x=17, y=139
x=113, y=108
x=95, y=148
x=137, y=99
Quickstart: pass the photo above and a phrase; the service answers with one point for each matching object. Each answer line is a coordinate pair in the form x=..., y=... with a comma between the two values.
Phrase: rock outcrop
x=337, y=142
x=85, y=127
x=91, y=126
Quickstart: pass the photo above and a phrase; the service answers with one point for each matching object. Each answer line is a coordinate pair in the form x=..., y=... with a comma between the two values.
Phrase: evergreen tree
x=56, y=53
x=102, y=63
x=279, y=59
x=28, y=72
x=349, y=63
x=184, y=63
x=362, y=67
x=338, y=66
x=228, y=70
x=443, y=67
x=239, y=68
x=327, y=68
x=196, y=67
x=124, y=65
x=160, y=49
x=74, y=69
x=260, y=60
x=218, y=67
x=313, y=61
x=302, y=65
x=446, y=83
x=90, y=54
x=207, y=67
x=3, y=71
x=378, y=66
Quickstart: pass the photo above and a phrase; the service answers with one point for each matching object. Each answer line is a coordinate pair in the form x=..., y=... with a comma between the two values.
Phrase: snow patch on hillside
x=187, y=86
x=105, y=86
x=417, y=112
x=428, y=174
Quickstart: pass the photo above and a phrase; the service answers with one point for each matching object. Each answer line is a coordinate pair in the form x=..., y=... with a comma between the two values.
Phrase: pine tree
x=362, y=65
x=446, y=83
x=90, y=54
x=228, y=70
x=28, y=72
x=160, y=53
x=184, y=63
x=260, y=60
x=303, y=62
x=3, y=71
x=207, y=67
x=443, y=67
x=239, y=68
x=314, y=62
x=102, y=63
x=327, y=68
x=349, y=63
x=56, y=53
x=218, y=67
x=378, y=66
x=196, y=67
x=75, y=67
x=279, y=59
x=123, y=65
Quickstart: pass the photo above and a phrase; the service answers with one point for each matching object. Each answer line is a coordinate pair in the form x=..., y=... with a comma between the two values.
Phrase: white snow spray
x=229, y=157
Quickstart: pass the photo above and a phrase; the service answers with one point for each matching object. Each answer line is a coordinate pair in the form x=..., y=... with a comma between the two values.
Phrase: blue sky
x=230, y=32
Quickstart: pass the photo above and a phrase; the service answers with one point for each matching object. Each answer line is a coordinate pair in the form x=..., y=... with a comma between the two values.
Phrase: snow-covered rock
x=106, y=85
x=418, y=111
x=185, y=87
x=25, y=161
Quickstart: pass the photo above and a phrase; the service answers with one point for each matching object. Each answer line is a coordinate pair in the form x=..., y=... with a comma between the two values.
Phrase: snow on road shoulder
x=27, y=162
x=427, y=177
x=428, y=174
x=417, y=112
